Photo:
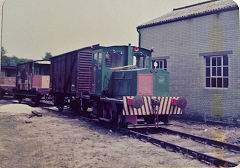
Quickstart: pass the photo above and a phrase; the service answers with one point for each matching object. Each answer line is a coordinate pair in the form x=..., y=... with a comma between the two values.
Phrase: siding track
x=205, y=150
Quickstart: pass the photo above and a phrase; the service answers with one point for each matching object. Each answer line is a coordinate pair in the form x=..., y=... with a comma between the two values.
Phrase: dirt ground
x=57, y=140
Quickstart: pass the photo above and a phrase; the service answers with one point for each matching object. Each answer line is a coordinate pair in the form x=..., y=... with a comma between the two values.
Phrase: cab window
x=141, y=61
x=99, y=60
x=113, y=59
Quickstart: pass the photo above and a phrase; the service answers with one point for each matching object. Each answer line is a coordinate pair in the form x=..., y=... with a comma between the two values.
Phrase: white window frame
x=211, y=76
x=163, y=64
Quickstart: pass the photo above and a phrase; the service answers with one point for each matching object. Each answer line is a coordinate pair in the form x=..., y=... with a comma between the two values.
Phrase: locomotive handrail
x=124, y=67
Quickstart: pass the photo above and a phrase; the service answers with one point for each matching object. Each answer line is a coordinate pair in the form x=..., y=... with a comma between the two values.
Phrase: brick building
x=199, y=46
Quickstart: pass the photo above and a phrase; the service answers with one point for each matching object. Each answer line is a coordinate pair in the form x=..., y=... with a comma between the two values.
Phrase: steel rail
x=216, y=143
x=197, y=155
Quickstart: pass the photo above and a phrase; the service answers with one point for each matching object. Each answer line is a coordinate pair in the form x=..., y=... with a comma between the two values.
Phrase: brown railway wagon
x=32, y=80
x=7, y=80
x=71, y=75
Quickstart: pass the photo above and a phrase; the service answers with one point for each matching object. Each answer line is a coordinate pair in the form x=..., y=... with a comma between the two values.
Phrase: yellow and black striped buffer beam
x=165, y=106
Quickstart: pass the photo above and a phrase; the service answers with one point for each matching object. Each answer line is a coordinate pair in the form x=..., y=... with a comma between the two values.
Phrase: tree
x=47, y=56
x=11, y=61
x=3, y=51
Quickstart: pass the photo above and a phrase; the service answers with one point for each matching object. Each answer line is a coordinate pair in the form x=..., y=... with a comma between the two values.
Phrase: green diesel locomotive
x=126, y=90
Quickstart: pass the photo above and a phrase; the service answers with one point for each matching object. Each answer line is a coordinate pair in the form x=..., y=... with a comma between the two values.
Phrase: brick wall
x=182, y=42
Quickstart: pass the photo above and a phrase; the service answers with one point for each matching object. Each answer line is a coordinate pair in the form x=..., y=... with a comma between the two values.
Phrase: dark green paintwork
x=124, y=83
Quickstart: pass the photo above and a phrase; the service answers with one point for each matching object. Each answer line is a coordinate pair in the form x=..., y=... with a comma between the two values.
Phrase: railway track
x=208, y=151
x=205, y=150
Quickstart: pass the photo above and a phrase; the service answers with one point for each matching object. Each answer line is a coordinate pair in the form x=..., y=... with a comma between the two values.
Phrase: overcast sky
x=33, y=27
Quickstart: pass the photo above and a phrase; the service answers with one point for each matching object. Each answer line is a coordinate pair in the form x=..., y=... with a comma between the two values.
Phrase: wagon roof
x=42, y=62
x=107, y=47
x=36, y=61
x=77, y=50
x=191, y=11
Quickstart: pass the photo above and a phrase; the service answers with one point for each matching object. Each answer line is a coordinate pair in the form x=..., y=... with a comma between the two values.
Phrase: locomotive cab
x=106, y=60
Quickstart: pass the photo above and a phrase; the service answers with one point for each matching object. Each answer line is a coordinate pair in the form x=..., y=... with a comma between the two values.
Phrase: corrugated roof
x=200, y=9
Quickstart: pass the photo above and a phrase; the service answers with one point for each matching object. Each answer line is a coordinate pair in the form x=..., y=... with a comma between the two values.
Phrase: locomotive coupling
x=155, y=102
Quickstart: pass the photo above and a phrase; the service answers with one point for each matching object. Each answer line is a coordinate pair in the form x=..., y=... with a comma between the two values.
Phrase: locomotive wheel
x=117, y=119
x=150, y=119
x=106, y=111
x=164, y=119
x=100, y=110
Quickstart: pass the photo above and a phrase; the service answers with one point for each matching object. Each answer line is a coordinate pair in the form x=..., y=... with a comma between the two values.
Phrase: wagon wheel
x=85, y=105
x=20, y=99
x=60, y=108
x=59, y=102
x=1, y=94
x=76, y=106
x=36, y=100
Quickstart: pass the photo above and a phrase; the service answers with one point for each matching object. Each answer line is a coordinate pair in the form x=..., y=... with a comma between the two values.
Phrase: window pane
x=161, y=66
x=165, y=63
x=207, y=72
x=219, y=82
x=95, y=57
x=144, y=62
x=213, y=71
x=225, y=71
x=141, y=62
x=207, y=82
x=158, y=64
x=99, y=60
x=147, y=62
x=214, y=60
x=207, y=61
x=225, y=60
x=225, y=82
x=214, y=82
x=219, y=72
x=219, y=62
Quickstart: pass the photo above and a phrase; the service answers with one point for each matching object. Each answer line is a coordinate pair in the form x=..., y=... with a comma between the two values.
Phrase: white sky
x=33, y=27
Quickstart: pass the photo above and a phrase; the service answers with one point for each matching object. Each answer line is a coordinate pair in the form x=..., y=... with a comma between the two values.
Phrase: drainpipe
x=139, y=37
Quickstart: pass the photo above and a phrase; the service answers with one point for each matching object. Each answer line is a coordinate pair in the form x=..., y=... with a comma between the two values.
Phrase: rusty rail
x=197, y=155
x=220, y=144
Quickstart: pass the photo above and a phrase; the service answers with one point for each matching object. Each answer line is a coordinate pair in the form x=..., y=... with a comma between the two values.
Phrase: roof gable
x=196, y=10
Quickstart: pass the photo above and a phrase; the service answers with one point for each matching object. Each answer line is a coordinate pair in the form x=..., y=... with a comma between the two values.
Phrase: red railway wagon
x=32, y=80
x=70, y=76
x=7, y=80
